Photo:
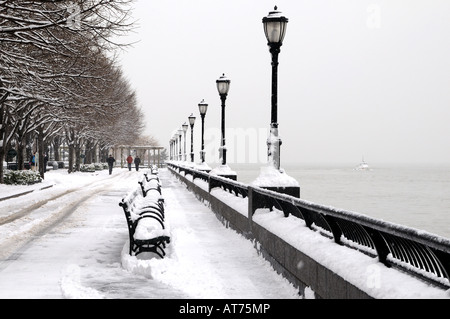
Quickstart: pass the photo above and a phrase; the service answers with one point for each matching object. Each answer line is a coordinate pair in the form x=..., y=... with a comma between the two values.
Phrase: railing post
x=380, y=245
x=213, y=183
x=257, y=200
x=251, y=208
x=335, y=229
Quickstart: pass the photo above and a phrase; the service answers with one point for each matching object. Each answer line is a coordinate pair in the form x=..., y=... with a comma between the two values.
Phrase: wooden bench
x=144, y=212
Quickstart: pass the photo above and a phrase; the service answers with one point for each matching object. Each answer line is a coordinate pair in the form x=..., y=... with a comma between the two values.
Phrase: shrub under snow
x=22, y=177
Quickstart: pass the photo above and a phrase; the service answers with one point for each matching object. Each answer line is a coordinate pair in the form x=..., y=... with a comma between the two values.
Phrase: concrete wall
x=284, y=258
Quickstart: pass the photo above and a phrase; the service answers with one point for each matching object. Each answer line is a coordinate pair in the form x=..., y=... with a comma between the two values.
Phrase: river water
x=417, y=196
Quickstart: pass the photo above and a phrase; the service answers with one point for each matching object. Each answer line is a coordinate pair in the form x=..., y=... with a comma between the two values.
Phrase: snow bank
x=179, y=268
x=72, y=288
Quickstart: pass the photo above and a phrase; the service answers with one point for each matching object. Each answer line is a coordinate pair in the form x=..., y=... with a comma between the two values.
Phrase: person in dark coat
x=137, y=161
x=111, y=160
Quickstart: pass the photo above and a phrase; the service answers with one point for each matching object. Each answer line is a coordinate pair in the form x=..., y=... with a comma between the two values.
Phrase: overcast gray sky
x=356, y=78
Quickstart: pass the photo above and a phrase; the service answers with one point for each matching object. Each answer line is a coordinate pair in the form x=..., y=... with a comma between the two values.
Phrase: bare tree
x=53, y=67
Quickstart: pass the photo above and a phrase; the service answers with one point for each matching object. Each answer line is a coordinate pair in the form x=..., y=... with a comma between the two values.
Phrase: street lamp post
x=175, y=147
x=273, y=177
x=185, y=128
x=175, y=152
x=275, y=30
x=191, y=123
x=203, y=107
x=223, y=86
x=180, y=133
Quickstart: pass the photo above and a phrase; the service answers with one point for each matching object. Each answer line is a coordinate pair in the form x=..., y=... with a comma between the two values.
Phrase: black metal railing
x=229, y=185
x=196, y=174
x=421, y=254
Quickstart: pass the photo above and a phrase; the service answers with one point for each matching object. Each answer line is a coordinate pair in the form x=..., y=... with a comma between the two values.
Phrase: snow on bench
x=144, y=212
x=150, y=185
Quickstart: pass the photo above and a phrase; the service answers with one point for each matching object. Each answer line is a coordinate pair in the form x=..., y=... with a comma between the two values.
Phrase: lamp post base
x=224, y=171
x=277, y=180
x=203, y=167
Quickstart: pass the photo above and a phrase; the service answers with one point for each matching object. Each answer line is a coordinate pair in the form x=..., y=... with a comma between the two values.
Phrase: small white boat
x=363, y=166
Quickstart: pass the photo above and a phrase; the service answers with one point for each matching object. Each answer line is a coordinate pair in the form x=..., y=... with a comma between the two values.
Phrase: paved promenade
x=82, y=254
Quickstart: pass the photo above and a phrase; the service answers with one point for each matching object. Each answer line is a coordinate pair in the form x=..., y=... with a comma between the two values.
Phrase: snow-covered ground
x=71, y=241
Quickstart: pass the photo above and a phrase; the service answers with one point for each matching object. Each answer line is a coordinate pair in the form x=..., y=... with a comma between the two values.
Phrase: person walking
x=33, y=161
x=129, y=161
x=111, y=160
x=137, y=161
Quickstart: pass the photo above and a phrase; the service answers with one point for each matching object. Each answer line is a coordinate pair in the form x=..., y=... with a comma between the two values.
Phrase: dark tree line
x=59, y=81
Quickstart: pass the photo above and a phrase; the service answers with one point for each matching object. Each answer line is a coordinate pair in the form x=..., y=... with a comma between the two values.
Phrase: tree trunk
x=2, y=156
x=89, y=152
x=20, y=151
x=71, y=152
x=41, y=152
x=77, y=157
x=2, y=139
x=103, y=154
x=3, y=98
x=56, y=145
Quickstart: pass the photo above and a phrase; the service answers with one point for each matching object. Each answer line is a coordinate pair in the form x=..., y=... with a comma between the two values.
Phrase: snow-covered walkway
x=84, y=255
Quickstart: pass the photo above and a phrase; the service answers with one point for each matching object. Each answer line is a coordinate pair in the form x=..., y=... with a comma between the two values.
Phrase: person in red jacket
x=129, y=161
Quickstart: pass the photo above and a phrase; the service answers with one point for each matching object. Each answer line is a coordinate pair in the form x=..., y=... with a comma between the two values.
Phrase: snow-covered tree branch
x=57, y=76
